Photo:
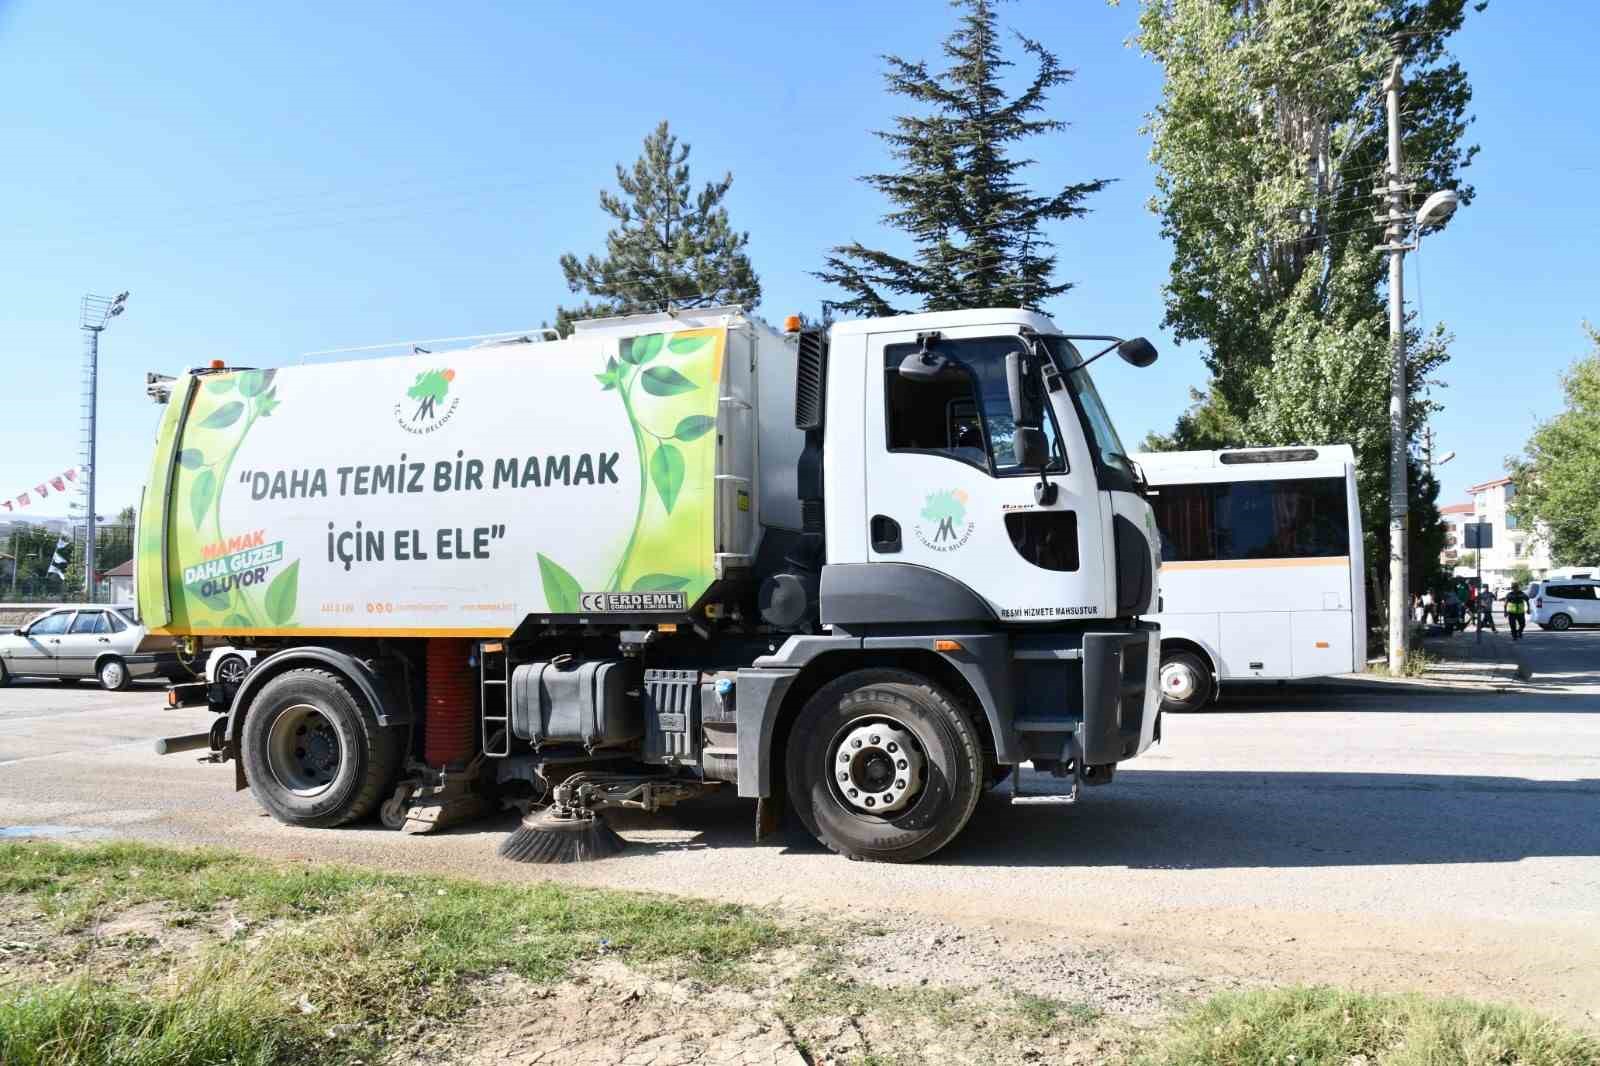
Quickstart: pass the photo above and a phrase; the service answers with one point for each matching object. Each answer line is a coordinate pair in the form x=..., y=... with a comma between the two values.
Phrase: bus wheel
x=313, y=752
x=883, y=766
x=1186, y=684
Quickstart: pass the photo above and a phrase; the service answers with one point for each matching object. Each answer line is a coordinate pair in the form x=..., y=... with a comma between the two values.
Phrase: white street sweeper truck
x=860, y=574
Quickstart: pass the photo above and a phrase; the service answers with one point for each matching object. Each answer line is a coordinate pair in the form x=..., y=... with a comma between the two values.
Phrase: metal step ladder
x=494, y=697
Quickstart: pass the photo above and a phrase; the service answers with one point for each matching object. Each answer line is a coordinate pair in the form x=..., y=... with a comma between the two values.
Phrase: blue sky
x=273, y=179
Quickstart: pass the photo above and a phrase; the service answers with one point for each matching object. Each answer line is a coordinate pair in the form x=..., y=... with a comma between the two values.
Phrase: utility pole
x=94, y=313
x=1395, y=234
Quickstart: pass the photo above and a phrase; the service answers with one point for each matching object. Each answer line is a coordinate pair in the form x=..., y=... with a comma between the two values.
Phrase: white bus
x=1261, y=575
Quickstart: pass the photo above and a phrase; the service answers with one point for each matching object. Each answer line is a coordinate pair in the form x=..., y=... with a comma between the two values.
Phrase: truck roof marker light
x=218, y=364
x=948, y=645
x=791, y=324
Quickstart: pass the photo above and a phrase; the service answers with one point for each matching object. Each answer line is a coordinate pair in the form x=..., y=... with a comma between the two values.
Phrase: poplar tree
x=977, y=227
x=671, y=247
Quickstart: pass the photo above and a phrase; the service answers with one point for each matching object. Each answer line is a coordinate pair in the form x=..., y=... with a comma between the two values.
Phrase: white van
x=1561, y=603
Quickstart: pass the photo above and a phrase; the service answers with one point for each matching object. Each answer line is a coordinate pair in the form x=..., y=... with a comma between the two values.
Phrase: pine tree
x=670, y=248
x=977, y=227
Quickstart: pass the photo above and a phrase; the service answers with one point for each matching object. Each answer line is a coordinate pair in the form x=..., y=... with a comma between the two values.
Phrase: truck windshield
x=1116, y=470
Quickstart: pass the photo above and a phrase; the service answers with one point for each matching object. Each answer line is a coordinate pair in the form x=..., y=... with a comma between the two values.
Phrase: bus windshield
x=1116, y=469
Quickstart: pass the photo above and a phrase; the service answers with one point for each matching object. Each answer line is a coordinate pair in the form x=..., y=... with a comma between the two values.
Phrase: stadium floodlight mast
x=94, y=314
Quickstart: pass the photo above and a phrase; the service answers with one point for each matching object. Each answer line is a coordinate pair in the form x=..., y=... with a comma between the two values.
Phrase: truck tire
x=313, y=752
x=1186, y=684
x=884, y=766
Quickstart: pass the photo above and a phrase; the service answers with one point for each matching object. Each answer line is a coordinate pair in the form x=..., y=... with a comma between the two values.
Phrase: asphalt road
x=1383, y=835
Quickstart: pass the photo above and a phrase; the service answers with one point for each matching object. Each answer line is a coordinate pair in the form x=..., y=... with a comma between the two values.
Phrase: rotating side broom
x=573, y=828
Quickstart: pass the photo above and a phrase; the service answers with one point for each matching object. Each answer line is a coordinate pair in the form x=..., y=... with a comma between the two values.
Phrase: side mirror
x=1031, y=448
x=20, y=631
x=1014, y=387
x=926, y=365
x=1137, y=352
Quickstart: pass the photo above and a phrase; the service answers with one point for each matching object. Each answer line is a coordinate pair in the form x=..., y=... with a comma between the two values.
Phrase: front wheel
x=884, y=766
x=313, y=752
x=1186, y=684
x=1561, y=622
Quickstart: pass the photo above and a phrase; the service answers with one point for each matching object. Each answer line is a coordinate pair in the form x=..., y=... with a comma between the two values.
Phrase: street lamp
x=94, y=314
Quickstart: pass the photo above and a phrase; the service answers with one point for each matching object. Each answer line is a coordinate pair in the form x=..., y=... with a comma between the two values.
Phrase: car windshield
x=1113, y=457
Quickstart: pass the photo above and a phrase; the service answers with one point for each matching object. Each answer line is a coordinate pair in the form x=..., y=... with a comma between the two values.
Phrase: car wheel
x=231, y=670
x=1186, y=683
x=113, y=674
x=314, y=753
x=883, y=766
x=1561, y=622
x=5, y=675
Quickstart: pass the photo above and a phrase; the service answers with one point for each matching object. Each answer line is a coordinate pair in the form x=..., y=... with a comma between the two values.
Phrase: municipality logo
x=428, y=404
x=945, y=525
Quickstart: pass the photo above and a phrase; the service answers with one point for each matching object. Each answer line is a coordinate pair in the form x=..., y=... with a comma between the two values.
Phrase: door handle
x=885, y=534
x=105, y=640
x=53, y=640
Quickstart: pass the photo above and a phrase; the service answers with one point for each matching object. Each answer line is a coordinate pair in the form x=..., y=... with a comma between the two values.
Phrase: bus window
x=1295, y=519
x=1184, y=515
x=1298, y=519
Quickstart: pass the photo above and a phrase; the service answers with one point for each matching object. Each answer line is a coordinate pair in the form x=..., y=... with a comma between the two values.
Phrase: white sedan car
x=227, y=666
x=89, y=640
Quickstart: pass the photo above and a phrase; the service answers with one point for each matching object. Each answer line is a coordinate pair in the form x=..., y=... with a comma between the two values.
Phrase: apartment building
x=1514, y=544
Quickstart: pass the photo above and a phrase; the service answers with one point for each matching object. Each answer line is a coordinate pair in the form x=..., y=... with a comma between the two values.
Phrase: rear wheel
x=1560, y=622
x=113, y=674
x=231, y=670
x=5, y=675
x=313, y=752
x=884, y=766
x=1186, y=683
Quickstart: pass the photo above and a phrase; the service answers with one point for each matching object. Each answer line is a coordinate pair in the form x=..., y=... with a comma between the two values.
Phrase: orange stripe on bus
x=1252, y=564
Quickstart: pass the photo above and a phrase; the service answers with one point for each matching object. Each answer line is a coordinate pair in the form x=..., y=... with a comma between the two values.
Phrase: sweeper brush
x=557, y=835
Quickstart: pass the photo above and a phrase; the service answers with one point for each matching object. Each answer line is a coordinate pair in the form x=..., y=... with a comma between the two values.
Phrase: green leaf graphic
x=640, y=350
x=659, y=583
x=201, y=490
x=224, y=416
x=561, y=591
x=608, y=379
x=236, y=621
x=217, y=601
x=222, y=384
x=694, y=427
x=255, y=382
x=282, y=593
x=681, y=345
x=191, y=459
x=665, y=381
x=268, y=402
x=666, y=470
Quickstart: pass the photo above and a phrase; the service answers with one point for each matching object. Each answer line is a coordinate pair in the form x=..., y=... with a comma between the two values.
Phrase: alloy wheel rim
x=876, y=766
x=304, y=750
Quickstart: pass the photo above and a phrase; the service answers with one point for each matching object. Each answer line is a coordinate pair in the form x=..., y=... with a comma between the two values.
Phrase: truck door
x=945, y=490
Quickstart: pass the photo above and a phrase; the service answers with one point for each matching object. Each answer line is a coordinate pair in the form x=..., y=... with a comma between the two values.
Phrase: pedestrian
x=1486, y=609
x=1450, y=611
x=1517, y=611
x=1428, y=614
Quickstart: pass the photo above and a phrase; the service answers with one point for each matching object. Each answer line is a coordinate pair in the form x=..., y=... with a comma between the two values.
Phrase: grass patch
x=1332, y=1027
x=349, y=948
x=86, y=1024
